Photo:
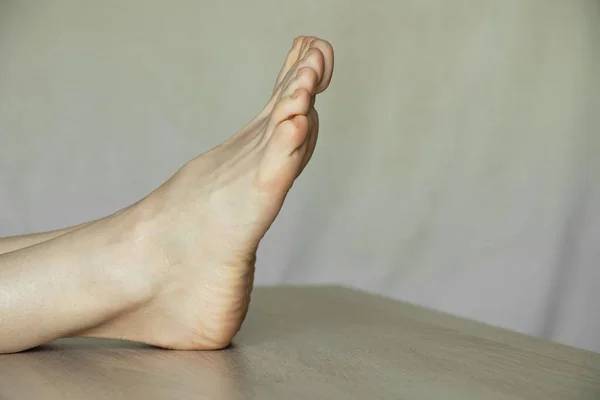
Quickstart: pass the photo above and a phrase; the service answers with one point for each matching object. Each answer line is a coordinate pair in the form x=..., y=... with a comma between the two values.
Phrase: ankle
x=126, y=234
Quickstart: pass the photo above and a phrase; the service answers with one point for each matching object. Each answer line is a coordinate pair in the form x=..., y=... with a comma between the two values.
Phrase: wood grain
x=316, y=343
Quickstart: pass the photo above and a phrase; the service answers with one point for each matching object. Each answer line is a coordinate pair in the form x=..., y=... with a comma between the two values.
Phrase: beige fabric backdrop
x=458, y=159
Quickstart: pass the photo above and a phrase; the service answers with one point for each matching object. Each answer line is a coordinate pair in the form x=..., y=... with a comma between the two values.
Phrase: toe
x=311, y=141
x=283, y=160
x=297, y=103
x=300, y=76
x=292, y=136
x=313, y=59
x=309, y=65
x=328, y=61
x=290, y=60
x=306, y=78
x=305, y=43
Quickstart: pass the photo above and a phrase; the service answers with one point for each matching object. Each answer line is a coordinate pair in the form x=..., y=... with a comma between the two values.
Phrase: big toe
x=285, y=154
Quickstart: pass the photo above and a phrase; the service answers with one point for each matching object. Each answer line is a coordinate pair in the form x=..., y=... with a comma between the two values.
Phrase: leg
x=176, y=269
x=13, y=243
x=59, y=287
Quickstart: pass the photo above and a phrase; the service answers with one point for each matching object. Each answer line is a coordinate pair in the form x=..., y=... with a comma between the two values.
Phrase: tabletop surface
x=314, y=342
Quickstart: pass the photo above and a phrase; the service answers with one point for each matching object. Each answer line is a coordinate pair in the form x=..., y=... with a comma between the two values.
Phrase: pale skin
x=175, y=269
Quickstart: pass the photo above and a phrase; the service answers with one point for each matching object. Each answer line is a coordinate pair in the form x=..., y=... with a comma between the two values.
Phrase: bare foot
x=200, y=230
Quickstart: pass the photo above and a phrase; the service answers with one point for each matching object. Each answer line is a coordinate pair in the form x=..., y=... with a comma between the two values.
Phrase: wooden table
x=315, y=343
